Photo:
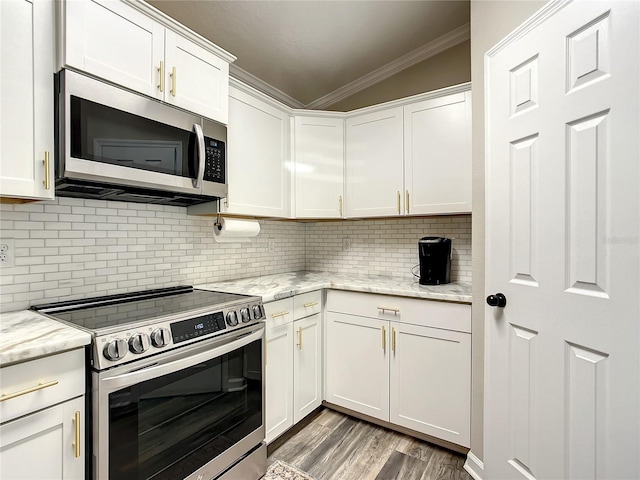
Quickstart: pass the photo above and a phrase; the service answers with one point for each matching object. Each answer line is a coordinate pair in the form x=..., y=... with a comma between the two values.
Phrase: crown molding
x=264, y=87
x=439, y=45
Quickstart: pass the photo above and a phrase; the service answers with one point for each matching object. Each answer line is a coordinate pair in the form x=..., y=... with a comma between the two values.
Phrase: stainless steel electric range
x=176, y=385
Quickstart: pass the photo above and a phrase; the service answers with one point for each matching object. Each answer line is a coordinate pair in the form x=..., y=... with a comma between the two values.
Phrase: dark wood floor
x=337, y=447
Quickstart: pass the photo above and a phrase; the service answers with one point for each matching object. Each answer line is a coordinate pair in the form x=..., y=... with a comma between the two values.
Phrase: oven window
x=168, y=427
x=106, y=135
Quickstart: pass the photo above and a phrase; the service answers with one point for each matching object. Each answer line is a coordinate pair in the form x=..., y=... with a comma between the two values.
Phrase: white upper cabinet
x=319, y=166
x=259, y=174
x=138, y=48
x=26, y=99
x=374, y=143
x=437, y=155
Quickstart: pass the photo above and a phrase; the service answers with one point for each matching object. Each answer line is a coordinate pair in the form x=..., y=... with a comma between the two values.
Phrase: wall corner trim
x=474, y=466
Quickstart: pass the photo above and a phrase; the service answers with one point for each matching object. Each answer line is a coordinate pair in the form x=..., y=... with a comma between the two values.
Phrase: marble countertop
x=283, y=285
x=26, y=335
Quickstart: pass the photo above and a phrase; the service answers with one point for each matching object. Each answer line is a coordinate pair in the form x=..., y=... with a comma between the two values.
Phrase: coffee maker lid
x=434, y=240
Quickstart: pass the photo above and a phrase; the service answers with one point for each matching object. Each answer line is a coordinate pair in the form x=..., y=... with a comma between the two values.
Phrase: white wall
x=490, y=22
x=73, y=248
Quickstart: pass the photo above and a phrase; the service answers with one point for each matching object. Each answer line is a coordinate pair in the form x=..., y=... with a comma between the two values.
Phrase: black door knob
x=497, y=300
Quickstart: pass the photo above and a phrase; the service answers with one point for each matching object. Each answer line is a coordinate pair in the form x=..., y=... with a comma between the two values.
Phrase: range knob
x=139, y=343
x=115, y=349
x=160, y=337
x=244, y=313
x=232, y=318
x=257, y=312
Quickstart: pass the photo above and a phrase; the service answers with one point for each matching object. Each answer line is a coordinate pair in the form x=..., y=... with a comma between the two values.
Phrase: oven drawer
x=40, y=383
x=279, y=312
x=307, y=304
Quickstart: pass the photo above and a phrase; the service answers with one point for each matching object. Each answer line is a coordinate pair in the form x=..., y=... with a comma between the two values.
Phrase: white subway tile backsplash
x=73, y=248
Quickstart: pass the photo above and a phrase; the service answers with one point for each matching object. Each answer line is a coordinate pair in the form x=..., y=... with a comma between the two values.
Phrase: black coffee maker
x=435, y=260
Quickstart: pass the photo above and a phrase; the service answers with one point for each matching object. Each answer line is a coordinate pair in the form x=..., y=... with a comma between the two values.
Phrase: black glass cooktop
x=129, y=309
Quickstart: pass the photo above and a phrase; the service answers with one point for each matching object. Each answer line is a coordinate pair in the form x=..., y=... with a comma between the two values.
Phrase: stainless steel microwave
x=113, y=144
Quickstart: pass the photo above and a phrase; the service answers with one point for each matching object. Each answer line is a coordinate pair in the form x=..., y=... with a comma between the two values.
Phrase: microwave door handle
x=197, y=182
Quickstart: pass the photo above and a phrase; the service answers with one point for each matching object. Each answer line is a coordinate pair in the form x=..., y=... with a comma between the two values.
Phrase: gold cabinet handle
x=340, y=203
x=312, y=304
x=384, y=339
x=394, y=310
x=161, y=72
x=300, y=338
x=77, y=442
x=40, y=386
x=281, y=314
x=407, y=202
x=174, y=81
x=47, y=171
x=393, y=340
x=398, y=202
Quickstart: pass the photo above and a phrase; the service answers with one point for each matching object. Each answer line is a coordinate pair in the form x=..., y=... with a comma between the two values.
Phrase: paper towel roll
x=233, y=230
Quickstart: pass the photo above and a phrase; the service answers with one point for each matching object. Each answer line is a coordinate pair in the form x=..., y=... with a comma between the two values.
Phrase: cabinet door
x=26, y=99
x=358, y=364
x=257, y=139
x=431, y=381
x=279, y=381
x=114, y=41
x=437, y=153
x=43, y=444
x=374, y=164
x=319, y=167
x=307, y=366
x=196, y=79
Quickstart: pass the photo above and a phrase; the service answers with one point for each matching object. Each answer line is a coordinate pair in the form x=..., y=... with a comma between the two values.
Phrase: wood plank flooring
x=334, y=446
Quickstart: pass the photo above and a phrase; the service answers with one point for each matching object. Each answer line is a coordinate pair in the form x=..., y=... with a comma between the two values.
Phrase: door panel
x=563, y=211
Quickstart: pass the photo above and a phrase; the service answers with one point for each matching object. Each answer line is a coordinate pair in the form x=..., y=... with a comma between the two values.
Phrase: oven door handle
x=197, y=182
x=156, y=370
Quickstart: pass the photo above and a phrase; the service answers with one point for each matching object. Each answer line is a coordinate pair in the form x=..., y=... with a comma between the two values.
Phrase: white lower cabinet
x=43, y=445
x=294, y=361
x=384, y=360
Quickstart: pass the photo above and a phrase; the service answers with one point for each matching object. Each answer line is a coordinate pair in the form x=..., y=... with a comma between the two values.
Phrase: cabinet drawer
x=307, y=304
x=428, y=313
x=66, y=369
x=279, y=312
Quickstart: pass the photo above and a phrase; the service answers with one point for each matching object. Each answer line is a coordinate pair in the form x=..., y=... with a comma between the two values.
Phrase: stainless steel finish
x=123, y=376
x=232, y=318
x=258, y=312
x=245, y=315
x=115, y=349
x=197, y=182
x=72, y=83
x=139, y=343
x=251, y=467
x=40, y=386
x=160, y=337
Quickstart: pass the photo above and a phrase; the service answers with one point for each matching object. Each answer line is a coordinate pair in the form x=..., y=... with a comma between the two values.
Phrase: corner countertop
x=283, y=285
x=26, y=335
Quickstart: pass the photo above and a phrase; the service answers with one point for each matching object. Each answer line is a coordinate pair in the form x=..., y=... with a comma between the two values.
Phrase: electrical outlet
x=271, y=245
x=6, y=252
x=346, y=244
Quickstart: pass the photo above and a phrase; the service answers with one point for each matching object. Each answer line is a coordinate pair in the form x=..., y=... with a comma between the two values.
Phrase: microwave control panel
x=214, y=161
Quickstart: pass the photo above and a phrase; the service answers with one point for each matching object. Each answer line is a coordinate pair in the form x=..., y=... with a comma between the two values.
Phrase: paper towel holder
x=217, y=222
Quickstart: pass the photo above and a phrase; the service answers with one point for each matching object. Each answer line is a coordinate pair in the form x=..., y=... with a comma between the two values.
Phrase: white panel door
x=319, y=166
x=279, y=381
x=116, y=42
x=374, y=158
x=307, y=366
x=563, y=210
x=196, y=79
x=26, y=99
x=43, y=445
x=257, y=146
x=358, y=364
x=437, y=155
x=431, y=381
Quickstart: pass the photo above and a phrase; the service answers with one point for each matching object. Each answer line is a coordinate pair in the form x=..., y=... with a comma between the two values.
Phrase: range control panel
x=214, y=166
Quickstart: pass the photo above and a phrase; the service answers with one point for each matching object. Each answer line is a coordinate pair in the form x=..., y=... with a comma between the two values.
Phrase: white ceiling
x=311, y=53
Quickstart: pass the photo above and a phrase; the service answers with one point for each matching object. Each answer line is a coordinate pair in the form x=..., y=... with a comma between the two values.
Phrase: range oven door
x=186, y=414
x=108, y=136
